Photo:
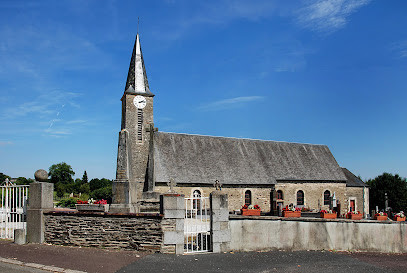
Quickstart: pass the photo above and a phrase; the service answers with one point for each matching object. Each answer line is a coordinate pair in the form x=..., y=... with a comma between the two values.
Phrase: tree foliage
x=85, y=178
x=61, y=173
x=3, y=177
x=395, y=187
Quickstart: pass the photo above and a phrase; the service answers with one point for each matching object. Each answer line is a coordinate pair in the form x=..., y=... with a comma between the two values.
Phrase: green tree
x=3, y=177
x=24, y=181
x=61, y=173
x=97, y=183
x=394, y=186
x=85, y=188
x=85, y=178
x=103, y=193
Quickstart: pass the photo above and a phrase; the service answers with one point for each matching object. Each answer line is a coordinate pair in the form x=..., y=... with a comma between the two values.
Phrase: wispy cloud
x=328, y=15
x=77, y=121
x=229, y=103
x=400, y=48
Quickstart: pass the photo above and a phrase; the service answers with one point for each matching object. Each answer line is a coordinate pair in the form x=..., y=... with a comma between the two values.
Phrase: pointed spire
x=137, y=77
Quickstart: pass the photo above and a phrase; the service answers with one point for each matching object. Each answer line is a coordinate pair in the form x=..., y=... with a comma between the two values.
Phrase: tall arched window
x=248, y=198
x=327, y=197
x=197, y=199
x=280, y=195
x=300, y=198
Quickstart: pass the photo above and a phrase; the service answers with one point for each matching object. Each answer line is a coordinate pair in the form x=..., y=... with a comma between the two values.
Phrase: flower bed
x=291, y=212
x=250, y=210
x=354, y=215
x=91, y=205
x=399, y=217
x=328, y=214
x=381, y=216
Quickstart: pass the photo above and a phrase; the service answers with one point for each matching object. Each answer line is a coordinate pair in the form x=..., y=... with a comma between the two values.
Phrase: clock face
x=140, y=102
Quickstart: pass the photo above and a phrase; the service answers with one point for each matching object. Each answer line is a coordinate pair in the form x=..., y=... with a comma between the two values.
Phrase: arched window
x=197, y=199
x=300, y=198
x=280, y=195
x=248, y=198
x=327, y=197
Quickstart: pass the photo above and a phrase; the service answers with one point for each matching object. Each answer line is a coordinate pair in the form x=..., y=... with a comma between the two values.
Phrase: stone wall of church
x=313, y=194
x=236, y=195
x=356, y=193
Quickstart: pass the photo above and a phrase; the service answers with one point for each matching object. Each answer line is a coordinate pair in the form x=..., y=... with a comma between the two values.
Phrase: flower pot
x=92, y=207
x=380, y=218
x=400, y=219
x=250, y=212
x=328, y=215
x=355, y=216
x=289, y=213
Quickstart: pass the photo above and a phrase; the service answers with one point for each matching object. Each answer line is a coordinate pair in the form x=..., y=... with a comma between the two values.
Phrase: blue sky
x=325, y=72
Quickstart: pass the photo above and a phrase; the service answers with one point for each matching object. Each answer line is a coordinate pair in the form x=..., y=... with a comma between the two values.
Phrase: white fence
x=12, y=209
x=197, y=225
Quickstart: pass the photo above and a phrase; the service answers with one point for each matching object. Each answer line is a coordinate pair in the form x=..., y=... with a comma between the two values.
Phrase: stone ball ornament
x=41, y=175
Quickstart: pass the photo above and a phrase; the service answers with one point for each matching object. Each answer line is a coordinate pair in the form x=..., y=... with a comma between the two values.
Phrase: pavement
x=43, y=258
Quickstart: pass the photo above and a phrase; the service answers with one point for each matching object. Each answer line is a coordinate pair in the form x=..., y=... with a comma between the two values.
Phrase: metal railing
x=197, y=225
x=12, y=209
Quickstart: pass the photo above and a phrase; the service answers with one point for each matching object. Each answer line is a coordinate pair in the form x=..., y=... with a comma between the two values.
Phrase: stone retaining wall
x=131, y=231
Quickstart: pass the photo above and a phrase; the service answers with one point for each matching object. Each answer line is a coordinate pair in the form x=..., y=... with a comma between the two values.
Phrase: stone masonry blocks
x=41, y=195
x=220, y=231
x=173, y=208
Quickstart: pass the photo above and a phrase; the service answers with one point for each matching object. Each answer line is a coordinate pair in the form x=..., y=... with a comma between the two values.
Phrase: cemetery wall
x=136, y=232
x=317, y=234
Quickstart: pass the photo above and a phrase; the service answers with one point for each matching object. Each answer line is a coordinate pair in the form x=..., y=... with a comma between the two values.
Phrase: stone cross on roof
x=217, y=185
x=172, y=184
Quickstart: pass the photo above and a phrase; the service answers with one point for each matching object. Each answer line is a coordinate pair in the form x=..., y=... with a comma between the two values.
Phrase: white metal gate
x=12, y=209
x=197, y=225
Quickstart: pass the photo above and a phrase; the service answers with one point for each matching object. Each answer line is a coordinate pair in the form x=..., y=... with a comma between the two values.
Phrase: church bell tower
x=134, y=137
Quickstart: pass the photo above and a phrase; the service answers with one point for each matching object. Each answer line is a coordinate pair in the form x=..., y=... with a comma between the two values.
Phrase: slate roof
x=352, y=180
x=203, y=159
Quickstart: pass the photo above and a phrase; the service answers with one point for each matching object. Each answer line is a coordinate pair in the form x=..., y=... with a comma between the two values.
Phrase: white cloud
x=328, y=15
x=229, y=103
x=400, y=48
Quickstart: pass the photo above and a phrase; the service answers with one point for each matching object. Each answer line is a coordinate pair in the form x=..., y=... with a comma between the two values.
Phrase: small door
x=352, y=205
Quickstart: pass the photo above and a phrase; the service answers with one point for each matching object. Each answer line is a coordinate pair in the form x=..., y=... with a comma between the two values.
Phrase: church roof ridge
x=245, y=138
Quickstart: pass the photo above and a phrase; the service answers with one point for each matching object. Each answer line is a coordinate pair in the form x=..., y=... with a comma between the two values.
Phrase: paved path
x=12, y=268
x=109, y=261
x=275, y=261
x=90, y=260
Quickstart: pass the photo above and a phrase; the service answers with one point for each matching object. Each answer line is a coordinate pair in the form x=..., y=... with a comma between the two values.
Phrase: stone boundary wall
x=276, y=233
x=127, y=231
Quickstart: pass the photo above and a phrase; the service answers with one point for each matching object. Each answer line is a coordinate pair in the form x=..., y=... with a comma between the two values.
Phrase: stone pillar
x=41, y=197
x=173, y=208
x=220, y=230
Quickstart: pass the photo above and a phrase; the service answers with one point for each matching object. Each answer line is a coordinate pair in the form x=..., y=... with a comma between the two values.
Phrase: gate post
x=173, y=208
x=41, y=197
x=220, y=230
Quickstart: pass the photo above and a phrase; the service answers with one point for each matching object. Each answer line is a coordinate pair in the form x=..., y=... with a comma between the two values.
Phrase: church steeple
x=137, y=81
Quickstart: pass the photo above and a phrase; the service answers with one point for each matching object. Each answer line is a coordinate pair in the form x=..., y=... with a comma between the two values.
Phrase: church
x=271, y=174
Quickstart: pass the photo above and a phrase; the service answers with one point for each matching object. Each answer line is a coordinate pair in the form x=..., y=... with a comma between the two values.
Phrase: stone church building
x=270, y=174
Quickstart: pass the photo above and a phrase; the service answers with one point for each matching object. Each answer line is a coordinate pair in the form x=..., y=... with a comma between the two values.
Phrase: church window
x=196, y=199
x=280, y=195
x=327, y=197
x=248, y=198
x=139, y=124
x=300, y=198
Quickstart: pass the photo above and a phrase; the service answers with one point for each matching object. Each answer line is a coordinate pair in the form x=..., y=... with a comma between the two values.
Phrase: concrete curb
x=40, y=266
